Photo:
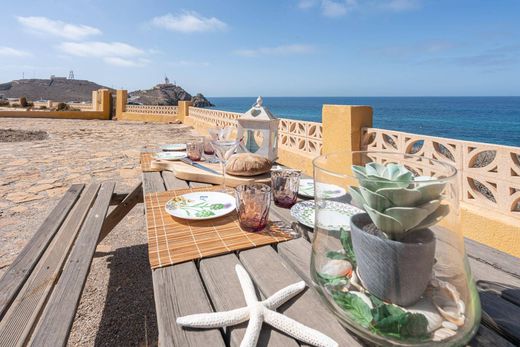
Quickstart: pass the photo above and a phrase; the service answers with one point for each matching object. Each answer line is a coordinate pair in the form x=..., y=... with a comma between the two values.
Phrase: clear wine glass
x=224, y=149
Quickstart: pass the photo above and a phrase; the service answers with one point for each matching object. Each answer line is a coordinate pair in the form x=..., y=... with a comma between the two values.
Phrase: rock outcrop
x=57, y=89
x=167, y=94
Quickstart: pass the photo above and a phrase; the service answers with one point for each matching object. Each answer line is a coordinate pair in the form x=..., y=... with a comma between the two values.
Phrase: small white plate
x=333, y=216
x=325, y=190
x=201, y=205
x=174, y=147
x=170, y=155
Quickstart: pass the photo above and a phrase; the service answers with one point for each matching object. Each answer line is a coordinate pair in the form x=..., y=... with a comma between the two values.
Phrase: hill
x=167, y=94
x=58, y=89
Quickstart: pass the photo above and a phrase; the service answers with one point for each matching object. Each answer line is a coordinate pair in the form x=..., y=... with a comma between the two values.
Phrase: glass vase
x=391, y=263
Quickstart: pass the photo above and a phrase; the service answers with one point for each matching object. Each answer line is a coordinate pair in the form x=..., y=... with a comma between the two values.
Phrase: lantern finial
x=259, y=102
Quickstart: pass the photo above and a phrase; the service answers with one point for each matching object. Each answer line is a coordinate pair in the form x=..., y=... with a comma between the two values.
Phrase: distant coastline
x=491, y=119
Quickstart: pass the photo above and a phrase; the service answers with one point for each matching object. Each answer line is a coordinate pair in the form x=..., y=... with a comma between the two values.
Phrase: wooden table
x=211, y=284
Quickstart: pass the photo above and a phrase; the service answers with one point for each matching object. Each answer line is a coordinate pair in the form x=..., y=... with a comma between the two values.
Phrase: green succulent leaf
x=337, y=255
x=359, y=171
x=375, y=200
x=355, y=306
x=401, y=196
x=346, y=242
x=357, y=198
x=434, y=218
x=409, y=217
x=385, y=223
x=430, y=191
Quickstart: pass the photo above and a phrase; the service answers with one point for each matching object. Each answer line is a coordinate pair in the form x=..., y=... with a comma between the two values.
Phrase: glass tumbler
x=253, y=202
x=194, y=150
x=285, y=184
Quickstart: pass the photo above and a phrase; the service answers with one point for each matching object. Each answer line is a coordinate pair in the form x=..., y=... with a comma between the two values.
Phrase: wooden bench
x=40, y=292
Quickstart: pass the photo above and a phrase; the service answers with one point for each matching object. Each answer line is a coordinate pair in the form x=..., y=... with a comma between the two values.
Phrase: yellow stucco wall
x=491, y=228
x=147, y=117
x=56, y=114
x=103, y=95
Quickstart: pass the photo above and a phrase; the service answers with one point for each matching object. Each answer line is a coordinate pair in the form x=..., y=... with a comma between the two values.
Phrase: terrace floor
x=35, y=174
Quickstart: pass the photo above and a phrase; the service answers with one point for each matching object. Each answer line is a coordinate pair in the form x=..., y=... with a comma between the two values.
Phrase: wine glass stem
x=224, y=175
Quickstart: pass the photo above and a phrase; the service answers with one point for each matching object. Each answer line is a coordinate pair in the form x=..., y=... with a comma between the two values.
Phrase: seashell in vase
x=337, y=267
x=447, y=300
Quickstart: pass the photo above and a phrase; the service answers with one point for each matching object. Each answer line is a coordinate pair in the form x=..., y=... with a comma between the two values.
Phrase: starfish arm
x=215, y=319
x=297, y=330
x=247, y=285
x=254, y=326
x=283, y=295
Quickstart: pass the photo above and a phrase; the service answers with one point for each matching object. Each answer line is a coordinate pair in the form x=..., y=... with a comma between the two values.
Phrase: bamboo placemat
x=173, y=240
x=146, y=162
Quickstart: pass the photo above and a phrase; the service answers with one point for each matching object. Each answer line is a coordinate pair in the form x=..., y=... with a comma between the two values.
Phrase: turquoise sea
x=483, y=119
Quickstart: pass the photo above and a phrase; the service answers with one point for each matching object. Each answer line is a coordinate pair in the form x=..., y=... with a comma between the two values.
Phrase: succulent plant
x=395, y=202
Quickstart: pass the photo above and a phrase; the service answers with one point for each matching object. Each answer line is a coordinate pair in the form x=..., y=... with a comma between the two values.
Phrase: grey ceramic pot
x=393, y=271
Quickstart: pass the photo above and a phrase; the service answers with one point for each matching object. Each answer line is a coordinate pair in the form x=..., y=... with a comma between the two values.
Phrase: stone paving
x=34, y=176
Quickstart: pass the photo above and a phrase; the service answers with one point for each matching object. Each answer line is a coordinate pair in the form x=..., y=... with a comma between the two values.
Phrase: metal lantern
x=259, y=128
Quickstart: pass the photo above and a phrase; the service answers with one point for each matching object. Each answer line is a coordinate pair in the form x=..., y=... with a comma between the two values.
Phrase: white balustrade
x=489, y=175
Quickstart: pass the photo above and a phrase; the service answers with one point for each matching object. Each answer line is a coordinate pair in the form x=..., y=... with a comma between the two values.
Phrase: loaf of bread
x=247, y=164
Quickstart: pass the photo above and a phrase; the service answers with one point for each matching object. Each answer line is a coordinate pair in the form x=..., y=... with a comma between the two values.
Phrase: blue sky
x=272, y=48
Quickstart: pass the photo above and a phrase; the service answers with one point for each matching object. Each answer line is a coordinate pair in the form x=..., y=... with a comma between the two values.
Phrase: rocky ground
x=117, y=306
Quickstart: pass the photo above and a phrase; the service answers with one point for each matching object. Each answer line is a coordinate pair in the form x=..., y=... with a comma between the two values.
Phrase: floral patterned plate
x=334, y=216
x=328, y=191
x=170, y=155
x=174, y=147
x=201, y=205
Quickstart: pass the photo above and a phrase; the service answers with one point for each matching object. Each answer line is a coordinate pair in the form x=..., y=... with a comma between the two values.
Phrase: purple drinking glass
x=285, y=184
x=253, y=202
x=194, y=150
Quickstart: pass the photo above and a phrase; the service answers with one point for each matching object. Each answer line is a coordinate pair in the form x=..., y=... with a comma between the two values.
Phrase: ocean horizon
x=490, y=119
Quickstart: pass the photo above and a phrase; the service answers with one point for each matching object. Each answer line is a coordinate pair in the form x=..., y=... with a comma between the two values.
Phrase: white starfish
x=258, y=312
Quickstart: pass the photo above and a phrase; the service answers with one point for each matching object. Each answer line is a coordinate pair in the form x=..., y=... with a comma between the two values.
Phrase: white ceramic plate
x=201, y=205
x=174, y=147
x=325, y=190
x=334, y=216
x=170, y=155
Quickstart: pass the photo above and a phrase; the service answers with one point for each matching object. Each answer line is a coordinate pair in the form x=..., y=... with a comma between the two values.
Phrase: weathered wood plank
x=121, y=210
x=178, y=289
x=58, y=315
x=493, y=257
x=14, y=278
x=488, y=277
x=501, y=316
x=486, y=337
x=270, y=273
x=152, y=182
x=221, y=282
x=20, y=318
x=173, y=182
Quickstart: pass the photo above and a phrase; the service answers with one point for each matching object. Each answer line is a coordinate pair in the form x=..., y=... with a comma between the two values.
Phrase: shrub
x=43, y=107
x=15, y=105
x=23, y=101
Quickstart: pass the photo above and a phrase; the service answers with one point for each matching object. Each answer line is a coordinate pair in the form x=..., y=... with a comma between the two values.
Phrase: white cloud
x=339, y=8
x=306, y=4
x=278, y=50
x=117, y=61
x=187, y=22
x=336, y=9
x=113, y=53
x=43, y=25
x=100, y=49
x=401, y=5
x=12, y=52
